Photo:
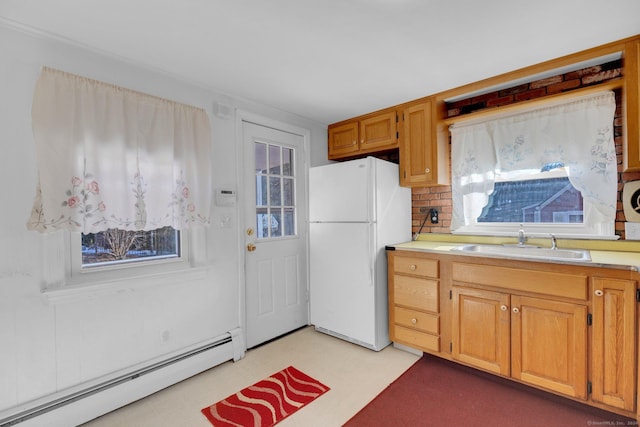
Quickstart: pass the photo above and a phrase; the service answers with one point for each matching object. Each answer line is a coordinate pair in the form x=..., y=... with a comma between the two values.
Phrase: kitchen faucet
x=521, y=237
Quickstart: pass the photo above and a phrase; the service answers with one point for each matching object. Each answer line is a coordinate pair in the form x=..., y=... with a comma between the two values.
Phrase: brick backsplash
x=440, y=197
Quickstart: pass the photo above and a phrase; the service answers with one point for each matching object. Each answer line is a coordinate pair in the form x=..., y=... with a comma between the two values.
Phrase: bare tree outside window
x=121, y=246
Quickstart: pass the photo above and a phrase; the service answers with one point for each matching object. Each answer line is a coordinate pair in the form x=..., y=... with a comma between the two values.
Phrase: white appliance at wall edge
x=356, y=208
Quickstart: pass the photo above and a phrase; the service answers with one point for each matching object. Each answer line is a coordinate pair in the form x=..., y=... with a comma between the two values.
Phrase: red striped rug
x=267, y=402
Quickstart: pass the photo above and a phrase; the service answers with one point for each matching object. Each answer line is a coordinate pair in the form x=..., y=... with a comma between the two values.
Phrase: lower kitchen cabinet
x=414, y=301
x=534, y=340
x=549, y=344
x=568, y=329
x=613, y=350
x=481, y=325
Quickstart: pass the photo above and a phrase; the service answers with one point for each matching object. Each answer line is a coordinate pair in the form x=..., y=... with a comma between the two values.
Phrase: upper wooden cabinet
x=363, y=135
x=631, y=102
x=423, y=158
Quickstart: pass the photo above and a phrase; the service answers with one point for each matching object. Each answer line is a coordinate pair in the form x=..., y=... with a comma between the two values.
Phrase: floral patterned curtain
x=109, y=157
x=577, y=133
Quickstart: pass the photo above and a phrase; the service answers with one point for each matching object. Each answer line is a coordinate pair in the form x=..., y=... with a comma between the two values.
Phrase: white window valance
x=577, y=133
x=109, y=157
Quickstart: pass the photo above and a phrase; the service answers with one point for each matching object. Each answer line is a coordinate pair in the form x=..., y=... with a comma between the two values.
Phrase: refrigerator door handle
x=372, y=255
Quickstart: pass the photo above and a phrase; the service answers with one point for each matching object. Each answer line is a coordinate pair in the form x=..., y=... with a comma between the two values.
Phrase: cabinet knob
x=599, y=292
x=414, y=320
x=516, y=310
x=504, y=307
x=413, y=267
x=427, y=170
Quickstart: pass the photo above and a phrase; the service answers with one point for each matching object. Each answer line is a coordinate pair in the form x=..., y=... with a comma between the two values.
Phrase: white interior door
x=275, y=234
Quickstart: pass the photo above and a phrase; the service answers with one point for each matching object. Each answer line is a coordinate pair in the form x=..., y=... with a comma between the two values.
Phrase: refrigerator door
x=393, y=205
x=342, y=192
x=343, y=285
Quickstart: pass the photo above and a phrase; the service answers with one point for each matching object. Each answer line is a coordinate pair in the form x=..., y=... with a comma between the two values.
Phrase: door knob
x=251, y=247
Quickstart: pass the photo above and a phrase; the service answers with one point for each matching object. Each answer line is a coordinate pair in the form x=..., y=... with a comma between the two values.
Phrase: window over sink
x=552, y=169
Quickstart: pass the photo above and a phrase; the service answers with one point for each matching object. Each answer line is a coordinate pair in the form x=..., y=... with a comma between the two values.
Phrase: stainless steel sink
x=525, y=251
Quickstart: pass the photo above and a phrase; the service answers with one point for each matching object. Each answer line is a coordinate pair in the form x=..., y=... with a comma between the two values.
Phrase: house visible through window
x=552, y=200
x=553, y=169
x=116, y=246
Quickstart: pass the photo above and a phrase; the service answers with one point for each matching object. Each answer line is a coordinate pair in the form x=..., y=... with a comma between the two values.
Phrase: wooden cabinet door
x=417, y=152
x=612, y=361
x=632, y=104
x=481, y=329
x=343, y=140
x=378, y=132
x=549, y=344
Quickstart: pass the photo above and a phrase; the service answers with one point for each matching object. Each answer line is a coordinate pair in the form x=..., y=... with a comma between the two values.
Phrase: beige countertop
x=609, y=254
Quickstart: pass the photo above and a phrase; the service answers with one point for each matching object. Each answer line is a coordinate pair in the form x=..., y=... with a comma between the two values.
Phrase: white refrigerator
x=355, y=209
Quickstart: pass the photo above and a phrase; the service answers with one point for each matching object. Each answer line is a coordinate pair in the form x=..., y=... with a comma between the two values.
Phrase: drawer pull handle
x=427, y=170
x=599, y=293
x=504, y=307
x=516, y=310
x=414, y=320
x=413, y=267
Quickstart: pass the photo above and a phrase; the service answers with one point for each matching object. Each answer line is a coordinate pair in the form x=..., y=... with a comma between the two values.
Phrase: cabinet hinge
x=589, y=387
x=397, y=135
x=589, y=319
x=638, y=295
x=450, y=294
x=450, y=347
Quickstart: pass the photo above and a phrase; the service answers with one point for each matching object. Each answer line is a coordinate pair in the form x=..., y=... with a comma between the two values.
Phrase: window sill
x=78, y=291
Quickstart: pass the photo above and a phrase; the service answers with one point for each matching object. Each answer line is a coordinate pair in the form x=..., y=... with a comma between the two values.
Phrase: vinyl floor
x=355, y=375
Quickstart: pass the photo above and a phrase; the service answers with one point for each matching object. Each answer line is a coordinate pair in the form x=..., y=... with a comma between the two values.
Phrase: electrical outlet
x=433, y=213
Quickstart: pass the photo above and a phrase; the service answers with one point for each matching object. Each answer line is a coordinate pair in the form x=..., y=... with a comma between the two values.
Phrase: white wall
x=46, y=347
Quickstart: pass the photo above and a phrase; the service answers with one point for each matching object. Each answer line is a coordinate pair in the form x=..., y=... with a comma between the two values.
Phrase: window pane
x=276, y=223
x=275, y=197
x=289, y=222
x=275, y=188
x=287, y=192
x=122, y=246
x=537, y=200
x=261, y=190
x=261, y=157
x=274, y=160
x=262, y=223
x=287, y=162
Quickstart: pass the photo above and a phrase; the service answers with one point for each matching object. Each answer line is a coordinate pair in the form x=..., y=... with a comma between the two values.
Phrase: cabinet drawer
x=542, y=282
x=416, y=266
x=417, y=339
x=416, y=293
x=418, y=320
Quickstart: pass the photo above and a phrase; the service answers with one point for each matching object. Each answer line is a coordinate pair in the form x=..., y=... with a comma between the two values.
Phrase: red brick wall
x=424, y=199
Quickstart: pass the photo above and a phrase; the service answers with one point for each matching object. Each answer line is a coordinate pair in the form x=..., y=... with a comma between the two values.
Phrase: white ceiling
x=329, y=60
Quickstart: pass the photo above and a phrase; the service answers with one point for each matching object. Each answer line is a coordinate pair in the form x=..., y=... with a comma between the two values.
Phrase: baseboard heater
x=77, y=406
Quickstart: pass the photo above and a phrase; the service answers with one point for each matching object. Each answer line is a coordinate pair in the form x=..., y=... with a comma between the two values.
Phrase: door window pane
x=274, y=160
x=287, y=162
x=275, y=198
x=275, y=191
x=261, y=157
x=276, y=223
x=287, y=192
x=261, y=190
x=289, y=224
